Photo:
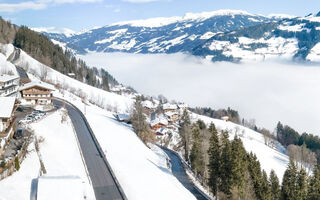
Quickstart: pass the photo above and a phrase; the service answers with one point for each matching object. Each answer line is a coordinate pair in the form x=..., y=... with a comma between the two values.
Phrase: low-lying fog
x=268, y=92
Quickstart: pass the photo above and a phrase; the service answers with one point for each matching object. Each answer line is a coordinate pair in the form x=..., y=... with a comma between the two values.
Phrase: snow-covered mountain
x=223, y=35
x=159, y=35
x=289, y=39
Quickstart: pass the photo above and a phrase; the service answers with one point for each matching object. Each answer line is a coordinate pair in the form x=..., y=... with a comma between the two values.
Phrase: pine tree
x=289, y=182
x=266, y=189
x=17, y=163
x=226, y=164
x=238, y=166
x=196, y=155
x=314, y=187
x=275, y=186
x=214, y=160
x=256, y=175
x=139, y=124
x=302, y=185
x=184, y=131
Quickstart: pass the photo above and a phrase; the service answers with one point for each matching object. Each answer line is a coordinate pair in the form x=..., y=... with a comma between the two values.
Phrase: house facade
x=36, y=93
x=8, y=106
x=9, y=85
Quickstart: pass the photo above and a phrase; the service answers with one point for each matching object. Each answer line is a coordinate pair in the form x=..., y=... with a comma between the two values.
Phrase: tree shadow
x=34, y=189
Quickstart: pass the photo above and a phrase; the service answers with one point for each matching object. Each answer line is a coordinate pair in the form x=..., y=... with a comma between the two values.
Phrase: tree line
x=42, y=49
x=232, y=173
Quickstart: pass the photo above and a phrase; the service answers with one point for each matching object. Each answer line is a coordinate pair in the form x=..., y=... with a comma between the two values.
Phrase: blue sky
x=85, y=14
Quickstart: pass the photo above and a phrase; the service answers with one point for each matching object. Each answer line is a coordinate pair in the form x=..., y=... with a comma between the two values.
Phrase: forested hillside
x=42, y=49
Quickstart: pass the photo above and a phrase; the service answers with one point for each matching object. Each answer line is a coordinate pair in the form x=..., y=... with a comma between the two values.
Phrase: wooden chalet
x=36, y=93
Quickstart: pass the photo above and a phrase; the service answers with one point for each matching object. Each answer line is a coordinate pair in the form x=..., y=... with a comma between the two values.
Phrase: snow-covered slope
x=270, y=158
x=60, y=155
x=143, y=173
x=159, y=35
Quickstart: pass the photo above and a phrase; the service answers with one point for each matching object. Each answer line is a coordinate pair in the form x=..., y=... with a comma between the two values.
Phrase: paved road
x=21, y=72
x=179, y=172
x=103, y=183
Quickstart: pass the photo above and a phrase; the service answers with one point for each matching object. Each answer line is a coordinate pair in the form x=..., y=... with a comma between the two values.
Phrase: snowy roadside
x=59, y=153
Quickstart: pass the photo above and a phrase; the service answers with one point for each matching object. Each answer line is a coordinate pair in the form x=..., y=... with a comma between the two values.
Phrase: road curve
x=178, y=170
x=105, y=184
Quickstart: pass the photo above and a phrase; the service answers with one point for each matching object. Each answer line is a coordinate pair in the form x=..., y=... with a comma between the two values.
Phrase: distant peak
x=162, y=21
x=318, y=15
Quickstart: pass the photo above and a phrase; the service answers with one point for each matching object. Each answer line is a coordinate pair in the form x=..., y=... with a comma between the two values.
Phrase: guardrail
x=97, y=145
x=185, y=165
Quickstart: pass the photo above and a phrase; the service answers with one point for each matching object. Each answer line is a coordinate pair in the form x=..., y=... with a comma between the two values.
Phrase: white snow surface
x=60, y=155
x=142, y=172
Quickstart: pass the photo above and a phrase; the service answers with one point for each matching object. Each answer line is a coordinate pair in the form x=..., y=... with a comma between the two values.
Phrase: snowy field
x=269, y=91
x=60, y=155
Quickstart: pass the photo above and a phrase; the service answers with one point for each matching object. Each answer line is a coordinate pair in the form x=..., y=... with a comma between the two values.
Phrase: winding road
x=103, y=180
x=178, y=170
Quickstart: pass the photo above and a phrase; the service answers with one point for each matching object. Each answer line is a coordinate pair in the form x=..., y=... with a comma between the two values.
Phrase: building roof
x=60, y=187
x=122, y=117
x=170, y=113
x=148, y=104
x=162, y=131
x=37, y=83
x=168, y=106
x=7, y=104
x=159, y=121
x=5, y=78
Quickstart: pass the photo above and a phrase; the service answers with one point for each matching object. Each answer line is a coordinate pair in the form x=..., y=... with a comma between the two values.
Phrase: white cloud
x=269, y=92
x=116, y=10
x=140, y=1
x=37, y=5
x=17, y=7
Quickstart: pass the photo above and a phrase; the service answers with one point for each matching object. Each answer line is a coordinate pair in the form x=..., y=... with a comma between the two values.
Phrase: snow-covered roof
x=183, y=105
x=122, y=117
x=5, y=78
x=159, y=121
x=37, y=83
x=170, y=113
x=168, y=106
x=7, y=104
x=60, y=187
x=148, y=104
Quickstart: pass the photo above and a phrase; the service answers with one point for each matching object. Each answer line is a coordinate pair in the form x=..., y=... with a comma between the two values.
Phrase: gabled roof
x=169, y=106
x=148, y=104
x=170, y=113
x=5, y=78
x=38, y=84
x=159, y=121
x=6, y=106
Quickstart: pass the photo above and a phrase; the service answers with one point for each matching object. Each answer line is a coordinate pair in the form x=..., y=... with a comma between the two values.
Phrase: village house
x=36, y=93
x=8, y=106
x=172, y=116
x=8, y=85
x=225, y=118
x=123, y=117
x=183, y=106
x=169, y=107
x=161, y=131
x=148, y=106
x=158, y=123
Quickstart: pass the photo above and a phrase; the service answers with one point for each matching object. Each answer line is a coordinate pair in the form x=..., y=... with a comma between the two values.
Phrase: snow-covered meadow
x=60, y=155
x=267, y=91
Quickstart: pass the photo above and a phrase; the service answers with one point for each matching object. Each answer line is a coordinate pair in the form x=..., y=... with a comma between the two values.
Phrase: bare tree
x=43, y=73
